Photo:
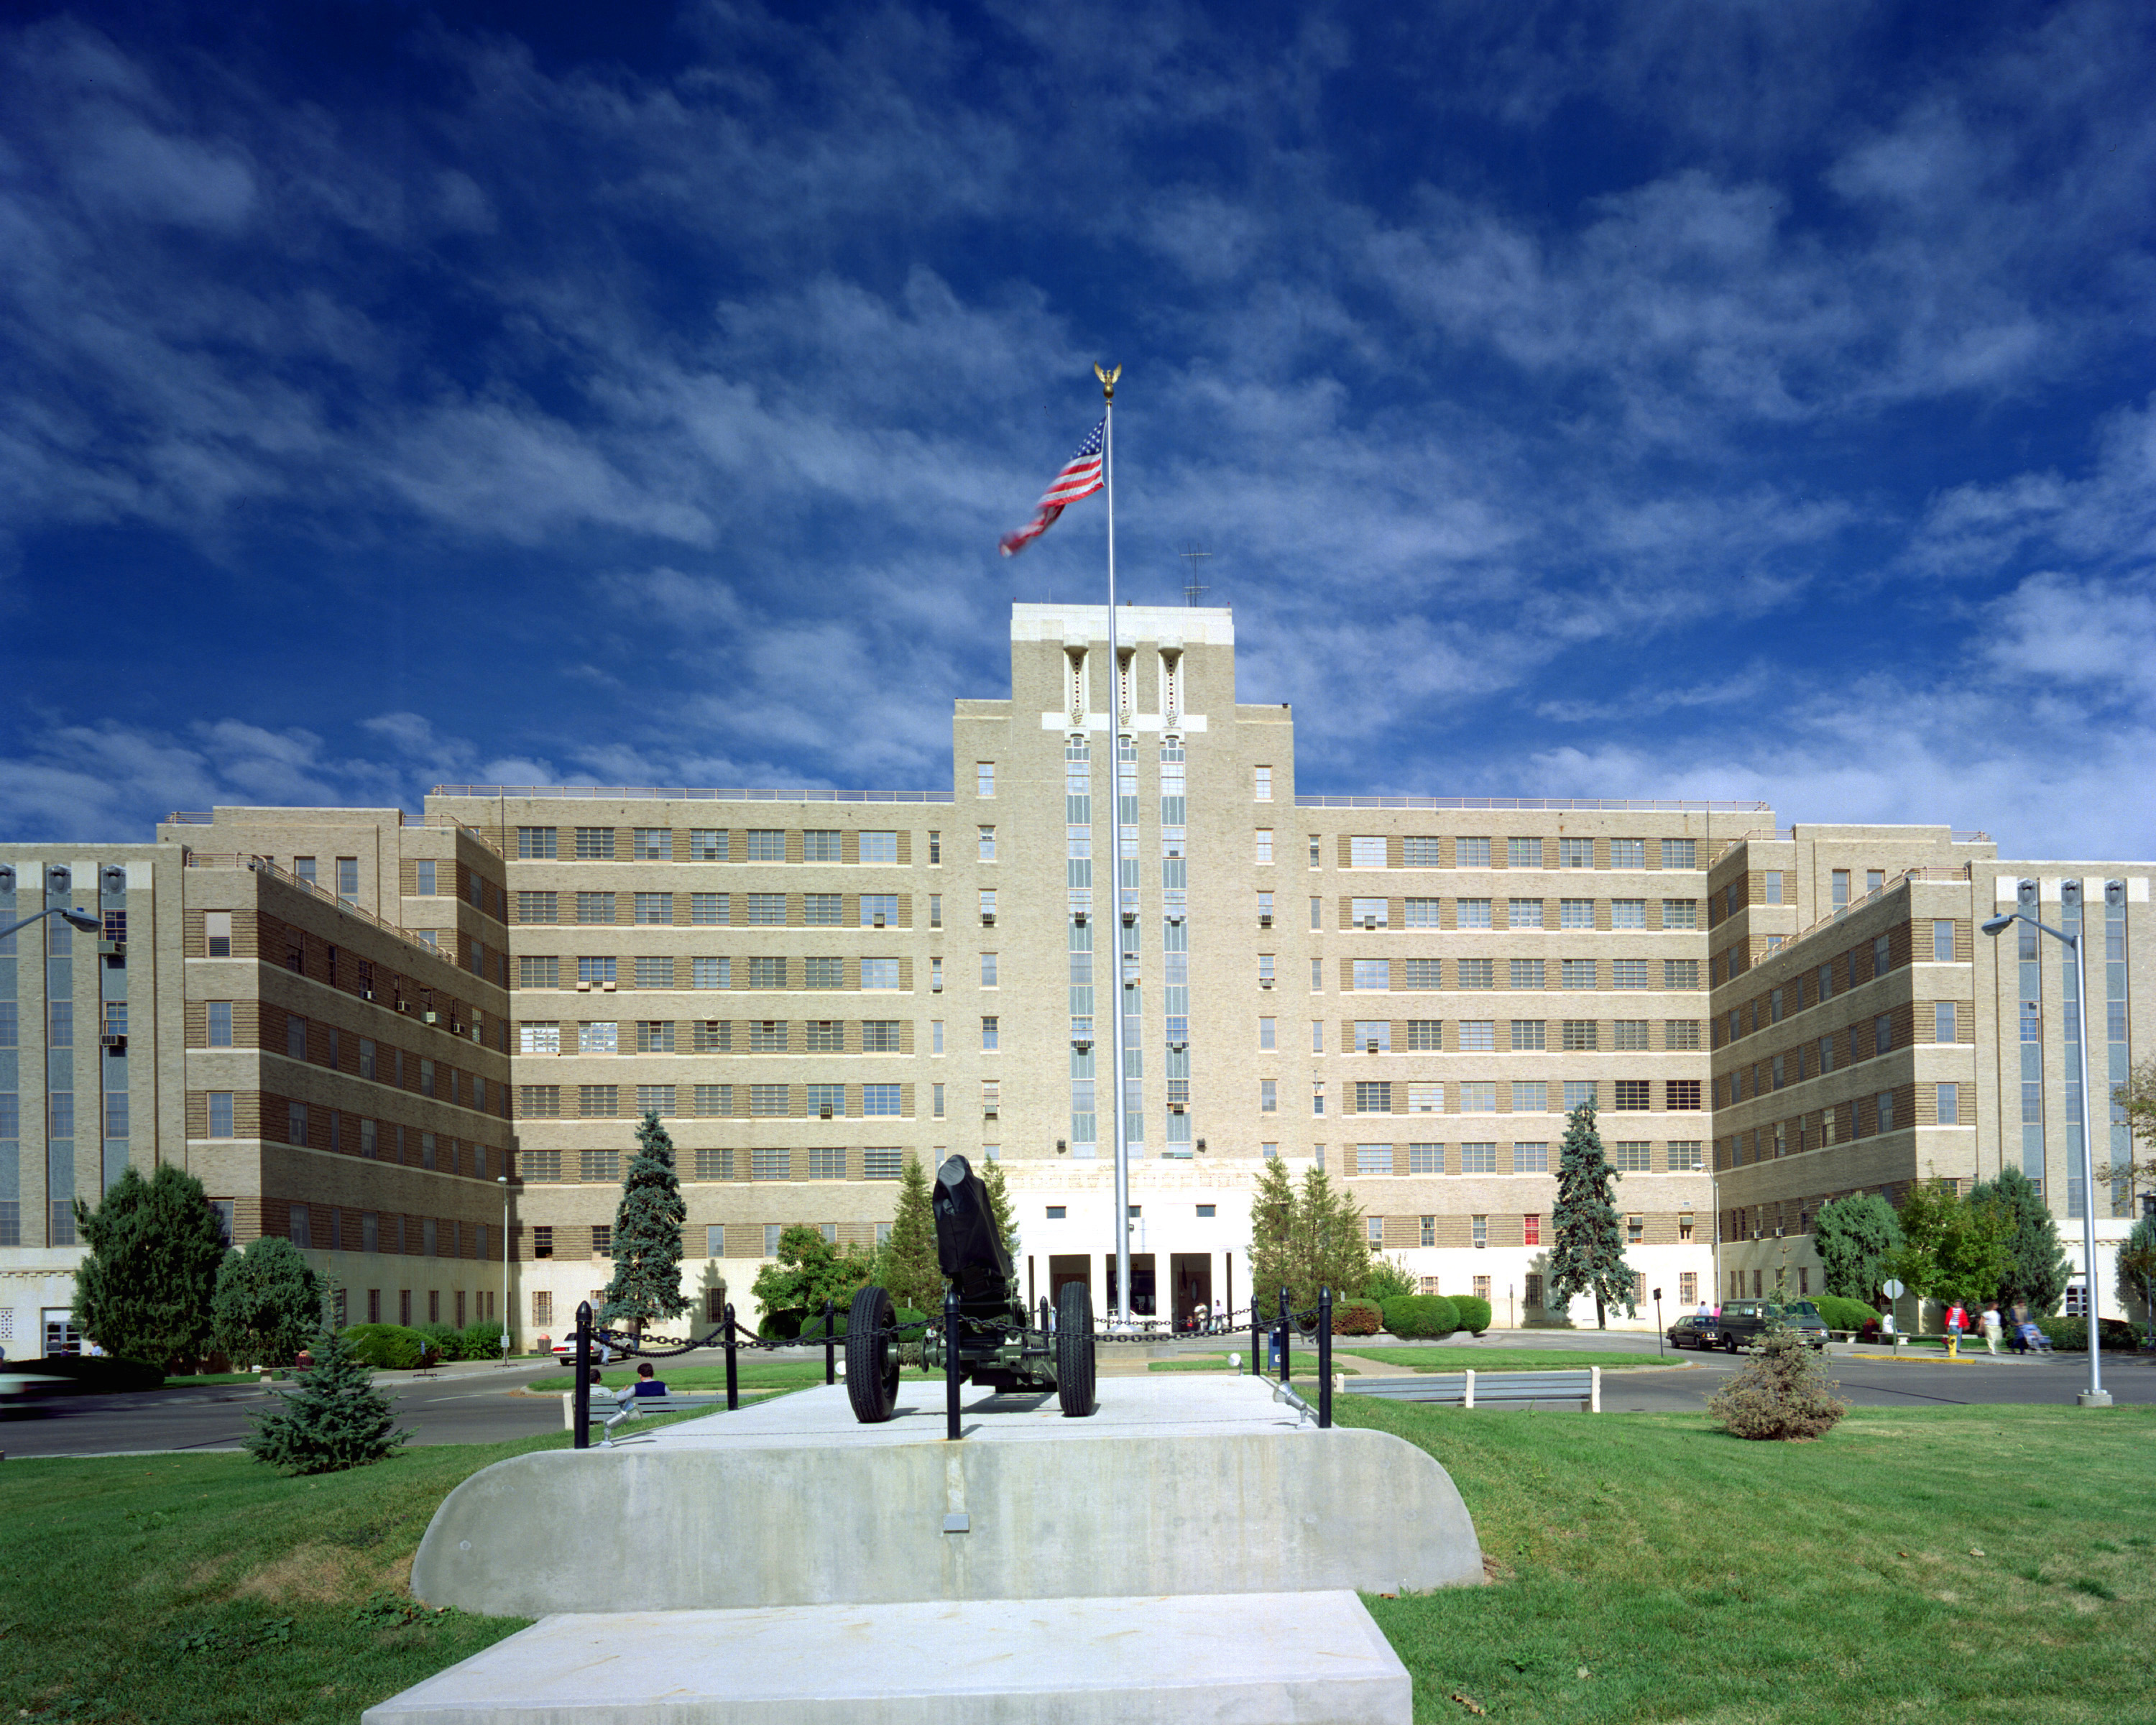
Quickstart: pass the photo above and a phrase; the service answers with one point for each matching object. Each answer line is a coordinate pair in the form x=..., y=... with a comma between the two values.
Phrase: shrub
x=811, y=1327
x=1837, y=1313
x=1386, y=1281
x=2069, y=1335
x=389, y=1347
x=335, y=1420
x=1357, y=1317
x=144, y=1287
x=780, y=1325
x=445, y=1340
x=267, y=1303
x=1421, y=1315
x=1782, y=1393
x=84, y=1375
x=910, y=1350
x=1474, y=1313
x=481, y=1340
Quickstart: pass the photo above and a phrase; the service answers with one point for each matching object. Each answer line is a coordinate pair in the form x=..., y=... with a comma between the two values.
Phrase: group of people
x=1992, y=1326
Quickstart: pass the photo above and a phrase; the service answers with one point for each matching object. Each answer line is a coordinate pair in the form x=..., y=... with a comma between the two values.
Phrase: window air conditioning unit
x=112, y=949
x=989, y=1114
x=1369, y=922
x=607, y=985
x=1265, y=982
x=824, y=1111
x=1266, y=920
x=1175, y=1107
x=584, y=988
x=1176, y=918
x=879, y=921
x=114, y=1040
x=987, y=919
x=1078, y=917
x=430, y=1017
x=1084, y=1044
x=366, y=993
x=1370, y=1047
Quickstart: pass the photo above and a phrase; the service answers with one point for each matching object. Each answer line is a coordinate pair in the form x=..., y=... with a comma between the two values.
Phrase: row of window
x=329, y=1228
x=1368, y=1036
x=666, y=971
x=817, y=1162
x=1424, y=851
x=327, y=1045
x=604, y=1101
x=1815, y=1059
x=1858, y=1117
x=754, y=845
x=1527, y=1095
x=718, y=1036
x=1815, y=988
x=323, y=1128
x=1520, y=913
x=1379, y=975
x=1634, y=1156
x=717, y=910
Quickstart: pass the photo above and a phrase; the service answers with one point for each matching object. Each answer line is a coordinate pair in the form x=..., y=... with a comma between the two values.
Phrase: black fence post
x=581, y=1396
x=1257, y=1340
x=1285, y=1323
x=1324, y=1358
x=830, y=1347
x=950, y=1363
x=733, y=1382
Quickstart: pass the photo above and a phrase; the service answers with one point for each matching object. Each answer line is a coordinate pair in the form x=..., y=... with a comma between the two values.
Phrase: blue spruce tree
x=647, y=1234
x=1586, y=1247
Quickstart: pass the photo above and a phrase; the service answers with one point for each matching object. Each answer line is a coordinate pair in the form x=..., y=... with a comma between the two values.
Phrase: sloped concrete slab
x=1241, y=1658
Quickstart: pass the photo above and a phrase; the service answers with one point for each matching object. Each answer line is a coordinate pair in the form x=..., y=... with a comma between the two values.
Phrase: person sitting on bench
x=646, y=1384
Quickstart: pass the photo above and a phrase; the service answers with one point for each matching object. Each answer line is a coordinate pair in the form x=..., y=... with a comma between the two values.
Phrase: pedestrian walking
x=1956, y=1321
x=1992, y=1325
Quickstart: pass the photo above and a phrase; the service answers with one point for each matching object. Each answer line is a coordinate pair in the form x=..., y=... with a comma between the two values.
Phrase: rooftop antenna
x=1191, y=552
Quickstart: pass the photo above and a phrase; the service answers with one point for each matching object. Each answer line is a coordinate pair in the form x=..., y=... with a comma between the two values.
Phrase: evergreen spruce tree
x=1336, y=1247
x=2037, y=1271
x=336, y=1418
x=267, y=1301
x=143, y=1291
x=1587, y=1246
x=1271, y=1255
x=647, y=1234
x=999, y=1202
x=907, y=1267
x=1857, y=1239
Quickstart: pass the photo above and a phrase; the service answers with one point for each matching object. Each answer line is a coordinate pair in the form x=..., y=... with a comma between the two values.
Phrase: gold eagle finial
x=1107, y=377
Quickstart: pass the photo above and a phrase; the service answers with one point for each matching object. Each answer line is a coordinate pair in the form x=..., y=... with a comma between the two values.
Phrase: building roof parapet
x=263, y=865
x=1619, y=805
x=1962, y=872
x=684, y=793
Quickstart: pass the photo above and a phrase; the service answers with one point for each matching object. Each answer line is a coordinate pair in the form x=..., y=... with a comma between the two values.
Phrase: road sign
x=1892, y=1288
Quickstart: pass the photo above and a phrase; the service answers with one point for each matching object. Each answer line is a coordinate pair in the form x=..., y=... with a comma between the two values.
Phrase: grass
x=197, y=1380
x=750, y=1374
x=207, y=1588
x=1492, y=1360
x=1952, y=1564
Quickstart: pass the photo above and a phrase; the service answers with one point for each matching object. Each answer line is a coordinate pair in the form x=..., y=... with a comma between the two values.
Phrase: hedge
x=1357, y=1317
x=1837, y=1313
x=2069, y=1335
x=390, y=1347
x=1421, y=1315
x=481, y=1340
x=91, y=1375
x=1474, y=1313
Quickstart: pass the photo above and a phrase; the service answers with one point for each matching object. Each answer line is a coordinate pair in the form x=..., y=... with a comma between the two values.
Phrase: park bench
x=607, y=1413
x=1489, y=1390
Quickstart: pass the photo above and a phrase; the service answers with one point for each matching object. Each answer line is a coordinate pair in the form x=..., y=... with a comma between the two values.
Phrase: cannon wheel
x=871, y=1357
x=1074, y=1349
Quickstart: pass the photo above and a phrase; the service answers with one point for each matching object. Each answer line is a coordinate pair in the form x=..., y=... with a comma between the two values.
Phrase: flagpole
x=1120, y=1313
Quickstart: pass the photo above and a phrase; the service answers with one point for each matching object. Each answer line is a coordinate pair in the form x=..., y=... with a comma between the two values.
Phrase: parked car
x=565, y=1350
x=1693, y=1331
x=1744, y=1322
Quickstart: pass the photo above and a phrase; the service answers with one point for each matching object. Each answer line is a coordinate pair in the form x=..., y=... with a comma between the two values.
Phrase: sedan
x=1692, y=1331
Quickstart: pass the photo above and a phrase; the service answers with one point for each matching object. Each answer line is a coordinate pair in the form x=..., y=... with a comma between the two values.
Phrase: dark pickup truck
x=1744, y=1322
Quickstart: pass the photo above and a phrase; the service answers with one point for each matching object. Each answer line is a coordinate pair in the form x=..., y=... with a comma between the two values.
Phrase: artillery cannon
x=997, y=1342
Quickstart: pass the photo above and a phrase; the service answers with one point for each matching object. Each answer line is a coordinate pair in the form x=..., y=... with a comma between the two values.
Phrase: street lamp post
x=502, y=1181
x=2028, y=903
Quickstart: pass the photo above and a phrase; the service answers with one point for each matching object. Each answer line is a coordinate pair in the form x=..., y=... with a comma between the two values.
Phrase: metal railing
x=684, y=793
x=189, y=818
x=263, y=865
x=1546, y=805
x=1924, y=872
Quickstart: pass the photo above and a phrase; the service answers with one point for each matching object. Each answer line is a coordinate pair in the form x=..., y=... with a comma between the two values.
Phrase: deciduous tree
x=808, y=1270
x=1304, y=1240
x=267, y=1303
x=1857, y=1239
x=145, y=1288
x=2036, y=1271
x=1951, y=1248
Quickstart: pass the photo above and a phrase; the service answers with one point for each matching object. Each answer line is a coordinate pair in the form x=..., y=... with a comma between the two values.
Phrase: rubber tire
x=1729, y=1344
x=1073, y=1350
x=872, y=1357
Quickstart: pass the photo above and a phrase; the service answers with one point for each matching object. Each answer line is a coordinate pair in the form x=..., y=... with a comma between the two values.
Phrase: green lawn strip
x=1697, y=1577
x=209, y=1588
x=750, y=1374
x=1490, y=1360
x=202, y=1379
x=1202, y=1363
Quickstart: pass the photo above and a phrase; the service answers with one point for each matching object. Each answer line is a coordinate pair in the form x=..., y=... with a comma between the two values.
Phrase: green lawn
x=749, y=1374
x=1491, y=1359
x=1939, y=1564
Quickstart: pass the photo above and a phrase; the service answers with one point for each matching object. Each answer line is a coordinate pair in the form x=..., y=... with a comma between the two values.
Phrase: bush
x=481, y=1340
x=335, y=1420
x=446, y=1341
x=1474, y=1313
x=84, y=1375
x=910, y=1350
x=268, y=1302
x=388, y=1347
x=1421, y=1315
x=1386, y=1281
x=2069, y=1335
x=780, y=1325
x=1781, y=1394
x=1837, y=1313
x=811, y=1327
x=1357, y=1317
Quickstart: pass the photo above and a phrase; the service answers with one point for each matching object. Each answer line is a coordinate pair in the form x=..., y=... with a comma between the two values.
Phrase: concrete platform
x=1246, y=1659
x=1173, y=1488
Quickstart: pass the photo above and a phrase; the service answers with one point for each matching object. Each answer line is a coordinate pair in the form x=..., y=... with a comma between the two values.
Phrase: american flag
x=1080, y=478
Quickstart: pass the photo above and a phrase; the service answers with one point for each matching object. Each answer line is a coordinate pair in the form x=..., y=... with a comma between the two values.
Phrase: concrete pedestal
x=1243, y=1659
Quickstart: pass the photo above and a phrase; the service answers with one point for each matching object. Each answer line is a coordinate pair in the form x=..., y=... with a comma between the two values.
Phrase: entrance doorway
x=1191, y=1274
x=1066, y=1267
x=61, y=1335
x=1143, y=1301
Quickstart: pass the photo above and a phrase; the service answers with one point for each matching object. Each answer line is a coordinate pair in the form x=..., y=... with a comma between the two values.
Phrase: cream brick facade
x=813, y=985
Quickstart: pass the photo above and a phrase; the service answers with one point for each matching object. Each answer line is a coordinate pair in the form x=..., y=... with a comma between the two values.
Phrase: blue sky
x=1737, y=400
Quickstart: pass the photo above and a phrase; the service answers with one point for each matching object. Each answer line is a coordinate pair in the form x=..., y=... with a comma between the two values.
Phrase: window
x=1532, y=1158
x=881, y=1164
x=827, y=1097
x=987, y=905
x=534, y=971
x=1530, y=1096
x=1426, y=1159
x=1471, y=912
x=935, y=1036
x=1575, y=853
x=1374, y=1230
x=766, y=844
x=1679, y=972
x=1373, y=1159
x=1681, y=1094
x=1679, y=1034
x=770, y=1099
x=594, y=907
x=1262, y=786
x=537, y=1037
x=1371, y=975
x=1632, y=1095
x=1949, y=1104
x=598, y=1101
x=652, y=845
x=654, y=907
x=1680, y=853
x=1268, y=1032
x=1530, y=1035
x=707, y=844
x=1419, y=913
x=1366, y=852
x=1424, y=973
x=1627, y=913
x=1575, y=913
x=1628, y=972
x=1318, y=976
x=595, y=843
x=1426, y=1098
x=990, y=1036
x=1478, y=1159
x=592, y=1038
x=654, y=1036
x=1373, y=1097
x=715, y=1102
x=1477, y=1098
x=1679, y=913
x=1265, y=970
x=771, y=1164
x=1264, y=843
x=1882, y=1032
x=879, y=1099
x=1686, y=1155
x=655, y=1099
x=1631, y=1156
x=1886, y=1110
x=883, y=847
x=1580, y=1036
x=823, y=972
x=988, y=844
x=1373, y=1035
x=767, y=1035
x=1770, y=887
x=1478, y=973
x=220, y=1114
x=822, y=846
x=535, y=842
x=1268, y=1095
x=1478, y=1036
x=1881, y=956
x=879, y=973
x=1369, y=912
x=539, y=1101
x=878, y=1036
x=1576, y=973
x=1579, y=1093
x=217, y=933
x=1524, y=912
x=655, y=971
x=1838, y=889
x=1425, y=1035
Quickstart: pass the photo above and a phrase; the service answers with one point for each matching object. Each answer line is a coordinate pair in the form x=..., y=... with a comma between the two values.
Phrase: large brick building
x=388, y=1037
